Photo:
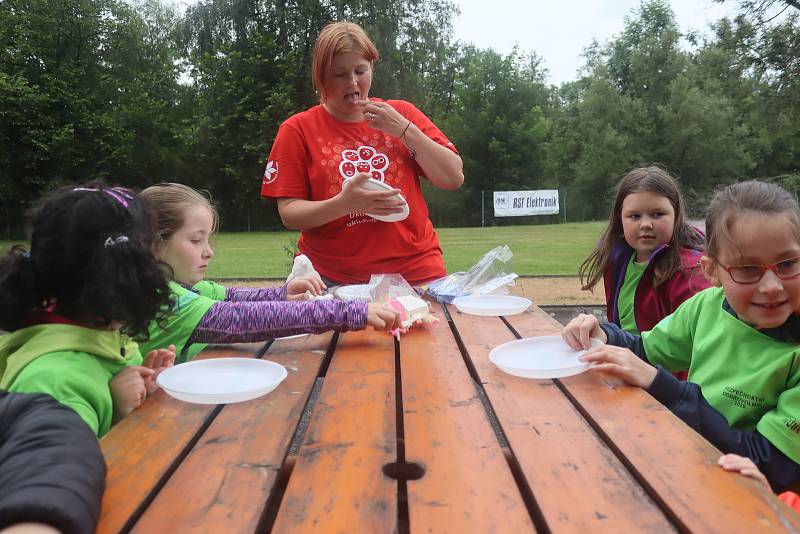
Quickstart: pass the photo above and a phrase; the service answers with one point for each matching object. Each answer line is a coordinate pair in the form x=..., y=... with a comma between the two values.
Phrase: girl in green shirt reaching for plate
x=206, y=312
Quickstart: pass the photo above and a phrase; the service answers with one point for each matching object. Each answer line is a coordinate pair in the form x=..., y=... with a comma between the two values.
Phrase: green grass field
x=544, y=249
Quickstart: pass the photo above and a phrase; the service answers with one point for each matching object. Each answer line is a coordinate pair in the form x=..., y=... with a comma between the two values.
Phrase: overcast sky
x=559, y=31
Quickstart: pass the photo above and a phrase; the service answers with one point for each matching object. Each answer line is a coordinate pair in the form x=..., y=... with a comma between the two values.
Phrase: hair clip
x=120, y=194
x=26, y=255
x=117, y=196
x=124, y=191
x=110, y=242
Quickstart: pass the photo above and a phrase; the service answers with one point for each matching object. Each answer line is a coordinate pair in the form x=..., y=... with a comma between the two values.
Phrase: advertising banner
x=515, y=203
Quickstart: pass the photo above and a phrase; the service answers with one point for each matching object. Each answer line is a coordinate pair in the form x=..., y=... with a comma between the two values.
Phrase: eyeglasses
x=750, y=274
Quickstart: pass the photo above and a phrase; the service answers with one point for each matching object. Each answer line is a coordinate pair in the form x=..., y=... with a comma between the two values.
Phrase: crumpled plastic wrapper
x=386, y=288
x=488, y=276
x=302, y=268
x=383, y=287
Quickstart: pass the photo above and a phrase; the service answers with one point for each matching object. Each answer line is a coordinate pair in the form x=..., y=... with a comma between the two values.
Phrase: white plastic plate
x=492, y=305
x=221, y=380
x=355, y=292
x=540, y=357
x=375, y=185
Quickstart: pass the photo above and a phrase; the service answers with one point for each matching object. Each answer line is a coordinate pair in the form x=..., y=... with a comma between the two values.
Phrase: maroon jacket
x=651, y=304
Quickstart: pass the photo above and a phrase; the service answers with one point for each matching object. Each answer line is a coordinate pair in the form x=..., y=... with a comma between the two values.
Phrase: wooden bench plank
x=224, y=483
x=337, y=484
x=143, y=447
x=467, y=486
x=679, y=464
x=576, y=480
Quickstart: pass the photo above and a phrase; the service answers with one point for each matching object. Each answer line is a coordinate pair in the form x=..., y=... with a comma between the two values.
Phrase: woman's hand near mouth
x=383, y=117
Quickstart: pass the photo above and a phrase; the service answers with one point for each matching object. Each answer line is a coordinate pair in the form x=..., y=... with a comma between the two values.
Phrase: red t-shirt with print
x=311, y=156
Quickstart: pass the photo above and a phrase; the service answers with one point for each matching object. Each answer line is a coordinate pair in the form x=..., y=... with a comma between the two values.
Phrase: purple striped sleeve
x=242, y=322
x=242, y=294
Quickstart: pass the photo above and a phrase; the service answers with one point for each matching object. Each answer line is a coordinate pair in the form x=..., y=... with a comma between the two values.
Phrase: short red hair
x=337, y=38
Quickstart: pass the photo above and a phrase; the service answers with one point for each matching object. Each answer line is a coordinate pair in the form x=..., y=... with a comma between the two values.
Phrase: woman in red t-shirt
x=321, y=157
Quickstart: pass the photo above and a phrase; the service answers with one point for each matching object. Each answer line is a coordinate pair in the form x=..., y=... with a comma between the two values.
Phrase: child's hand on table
x=743, y=466
x=128, y=390
x=299, y=288
x=157, y=360
x=578, y=332
x=382, y=317
x=621, y=363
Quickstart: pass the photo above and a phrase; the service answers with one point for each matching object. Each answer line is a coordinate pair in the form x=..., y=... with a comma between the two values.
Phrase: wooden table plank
x=223, y=484
x=143, y=447
x=576, y=480
x=683, y=474
x=337, y=484
x=467, y=486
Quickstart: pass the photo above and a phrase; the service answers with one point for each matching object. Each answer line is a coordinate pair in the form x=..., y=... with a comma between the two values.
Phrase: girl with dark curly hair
x=73, y=303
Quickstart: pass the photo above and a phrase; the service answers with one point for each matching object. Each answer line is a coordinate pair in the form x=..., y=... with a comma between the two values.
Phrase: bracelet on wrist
x=403, y=135
x=405, y=142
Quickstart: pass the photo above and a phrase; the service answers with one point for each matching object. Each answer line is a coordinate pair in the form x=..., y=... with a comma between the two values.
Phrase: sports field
x=544, y=249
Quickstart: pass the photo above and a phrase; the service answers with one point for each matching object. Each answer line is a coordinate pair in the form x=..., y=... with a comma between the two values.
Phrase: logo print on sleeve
x=271, y=172
x=363, y=159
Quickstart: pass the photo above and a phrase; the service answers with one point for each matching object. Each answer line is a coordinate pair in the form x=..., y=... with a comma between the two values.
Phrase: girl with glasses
x=739, y=339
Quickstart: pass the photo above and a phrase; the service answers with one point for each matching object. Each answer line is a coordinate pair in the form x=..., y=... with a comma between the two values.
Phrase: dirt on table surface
x=542, y=290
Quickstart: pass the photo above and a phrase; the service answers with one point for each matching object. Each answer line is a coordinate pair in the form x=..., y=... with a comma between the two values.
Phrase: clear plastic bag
x=383, y=287
x=488, y=275
x=393, y=290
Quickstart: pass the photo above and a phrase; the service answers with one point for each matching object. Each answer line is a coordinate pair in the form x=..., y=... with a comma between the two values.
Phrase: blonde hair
x=170, y=202
x=338, y=38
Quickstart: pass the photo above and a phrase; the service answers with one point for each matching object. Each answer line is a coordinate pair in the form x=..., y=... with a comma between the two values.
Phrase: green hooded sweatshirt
x=73, y=364
x=189, y=309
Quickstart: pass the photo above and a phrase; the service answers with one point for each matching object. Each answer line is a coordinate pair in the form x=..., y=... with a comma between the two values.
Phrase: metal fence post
x=482, y=219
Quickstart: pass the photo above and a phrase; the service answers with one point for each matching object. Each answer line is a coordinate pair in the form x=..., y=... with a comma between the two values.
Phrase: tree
x=646, y=56
x=697, y=124
x=644, y=100
x=497, y=120
x=597, y=137
x=764, y=11
x=85, y=93
x=756, y=70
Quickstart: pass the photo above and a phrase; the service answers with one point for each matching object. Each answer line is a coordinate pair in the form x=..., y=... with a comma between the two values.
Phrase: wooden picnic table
x=423, y=435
